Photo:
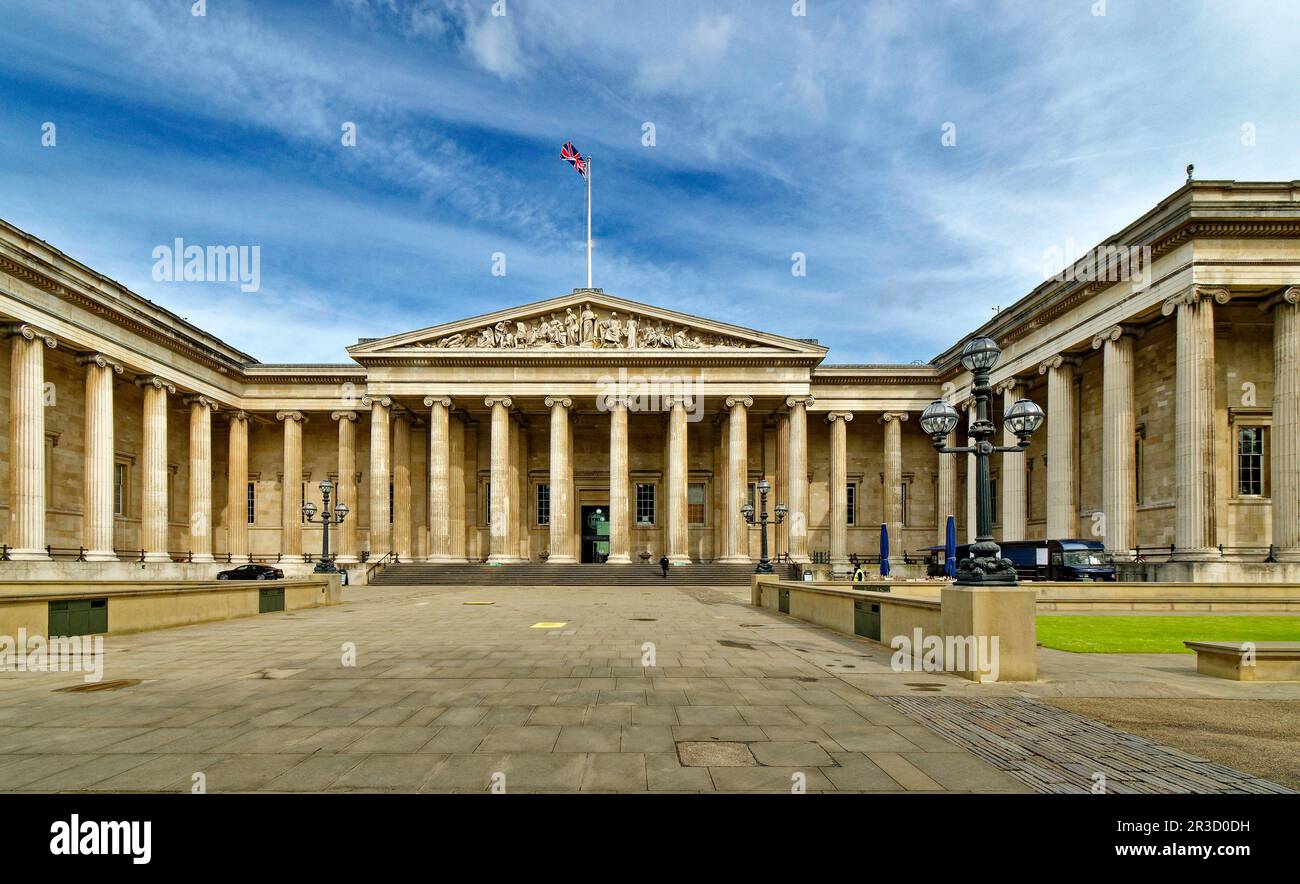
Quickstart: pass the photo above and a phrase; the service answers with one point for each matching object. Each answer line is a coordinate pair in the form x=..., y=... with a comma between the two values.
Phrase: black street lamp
x=986, y=567
x=764, y=563
x=339, y=513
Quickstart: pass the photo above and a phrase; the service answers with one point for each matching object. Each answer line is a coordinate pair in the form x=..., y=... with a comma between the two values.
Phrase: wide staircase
x=544, y=574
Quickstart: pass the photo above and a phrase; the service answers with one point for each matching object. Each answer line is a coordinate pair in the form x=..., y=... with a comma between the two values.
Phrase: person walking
x=859, y=575
x=663, y=565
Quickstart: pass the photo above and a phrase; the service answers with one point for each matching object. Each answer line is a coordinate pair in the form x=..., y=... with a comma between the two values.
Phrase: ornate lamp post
x=339, y=513
x=764, y=563
x=987, y=567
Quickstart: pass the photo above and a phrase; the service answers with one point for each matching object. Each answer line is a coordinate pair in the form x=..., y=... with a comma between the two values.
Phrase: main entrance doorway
x=595, y=533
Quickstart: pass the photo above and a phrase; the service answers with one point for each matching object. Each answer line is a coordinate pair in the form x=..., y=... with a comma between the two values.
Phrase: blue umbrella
x=884, y=550
x=950, y=549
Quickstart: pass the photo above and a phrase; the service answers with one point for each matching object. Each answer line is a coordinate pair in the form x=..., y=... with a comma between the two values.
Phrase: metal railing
x=1243, y=554
x=387, y=559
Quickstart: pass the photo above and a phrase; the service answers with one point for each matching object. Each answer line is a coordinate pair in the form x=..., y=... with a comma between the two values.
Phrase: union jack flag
x=575, y=159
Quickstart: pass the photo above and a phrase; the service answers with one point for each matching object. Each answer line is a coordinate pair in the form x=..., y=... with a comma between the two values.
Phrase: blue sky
x=774, y=134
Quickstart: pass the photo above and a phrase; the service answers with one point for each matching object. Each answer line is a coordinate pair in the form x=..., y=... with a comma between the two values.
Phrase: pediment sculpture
x=583, y=328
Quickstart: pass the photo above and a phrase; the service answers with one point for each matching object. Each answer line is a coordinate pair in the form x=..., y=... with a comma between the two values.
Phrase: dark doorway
x=595, y=533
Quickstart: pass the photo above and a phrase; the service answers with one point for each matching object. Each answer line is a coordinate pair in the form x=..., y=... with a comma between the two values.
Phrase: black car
x=251, y=571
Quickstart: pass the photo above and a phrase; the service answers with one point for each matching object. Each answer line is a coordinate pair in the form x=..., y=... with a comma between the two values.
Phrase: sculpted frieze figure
x=584, y=330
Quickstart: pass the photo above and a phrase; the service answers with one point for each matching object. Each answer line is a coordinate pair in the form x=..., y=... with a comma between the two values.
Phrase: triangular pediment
x=585, y=320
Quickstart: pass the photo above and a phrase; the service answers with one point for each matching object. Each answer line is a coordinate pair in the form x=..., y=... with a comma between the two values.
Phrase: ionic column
x=1118, y=429
x=402, y=486
x=201, y=408
x=439, y=478
x=620, y=537
x=561, y=482
x=97, y=462
x=153, y=516
x=1013, y=471
x=456, y=491
x=972, y=480
x=1194, y=449
x=678, y=537
x=945, y=503
x=380, y=437
x=519, y=487
x=27, y=442
x=735, y=545
x=345, y=489
x=291, y=484
x=1062, y=460
x=237, y=486
x=893, y=494
x=839, y=486
x=1285, y=477
x=501, y=490
x=797, y=471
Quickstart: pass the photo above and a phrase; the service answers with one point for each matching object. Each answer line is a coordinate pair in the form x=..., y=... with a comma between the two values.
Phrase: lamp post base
x=987, y=568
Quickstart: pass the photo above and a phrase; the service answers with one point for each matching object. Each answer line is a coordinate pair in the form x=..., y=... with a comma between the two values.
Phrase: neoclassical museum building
x=588, y=425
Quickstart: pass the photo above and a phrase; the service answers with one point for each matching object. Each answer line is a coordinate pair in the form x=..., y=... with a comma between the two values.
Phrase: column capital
x=747, y=401
x=343, y=415
x=889, y=416
x=1114, y=333
x=205, y=401
x=805, y=401
x=491, y=401
x=238, y=415
x=296, y=416
x=31, y=333
x=100, y=360
x=444, y=401
x=1010, y=383
x=1289, y=296
x=833, y=416
x=675, y=399
x=152, y=380
x=613, y=402
x=1194, y=294
x=371, y=401
x=561, y=401
x=1060, y=360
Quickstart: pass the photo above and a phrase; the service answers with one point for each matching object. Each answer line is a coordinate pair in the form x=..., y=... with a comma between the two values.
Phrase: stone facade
x=131, y=435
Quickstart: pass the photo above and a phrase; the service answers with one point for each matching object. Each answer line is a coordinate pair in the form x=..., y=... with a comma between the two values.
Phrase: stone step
x=542, y=574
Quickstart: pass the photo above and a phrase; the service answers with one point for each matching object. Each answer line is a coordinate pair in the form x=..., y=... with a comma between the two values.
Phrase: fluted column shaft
x=1062, y=510
x=946, y=490
x=797, y=471
x=620, y=537
x=893, y=478
x=201, y=409
x=1118, y=429
x=439, y=478
x=237, y=486
x=27, y=443
x=1013, y=474
x=735, y=543
x=456, y=492
x=678, y=537
x=519, y=508
x=381, y=543
x=839, y=486
x=501, y=490
x=402, y=528
x=561, y=539
x=291, y=484
x=1285, y=478
x=1194, y=449
x=154, y=503
x=97, y=462
x=345, y=489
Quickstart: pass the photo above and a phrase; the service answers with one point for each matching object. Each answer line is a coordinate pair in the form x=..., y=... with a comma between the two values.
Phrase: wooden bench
x=1248, y=661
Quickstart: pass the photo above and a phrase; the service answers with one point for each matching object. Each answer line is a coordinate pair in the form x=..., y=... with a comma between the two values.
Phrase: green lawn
x=1158, y=635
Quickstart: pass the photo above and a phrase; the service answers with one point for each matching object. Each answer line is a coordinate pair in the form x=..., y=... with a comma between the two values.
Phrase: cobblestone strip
x=1056, y=751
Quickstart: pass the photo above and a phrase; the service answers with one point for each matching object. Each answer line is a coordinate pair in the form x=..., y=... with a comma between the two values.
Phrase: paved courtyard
x=549, y=689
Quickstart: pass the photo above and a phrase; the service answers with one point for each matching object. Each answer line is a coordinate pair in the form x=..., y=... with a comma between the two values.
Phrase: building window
x=486, y=497
x=751, y=495
x=302, y=502
x=695, y=503
x=1137, y=469
x=252, y=502
x=119, y=489
x=645, y=504
x=904, y=503
x=1029, y=490
x=390, y=503
x=543, y=503
x=852, y=493
x=1250, y=462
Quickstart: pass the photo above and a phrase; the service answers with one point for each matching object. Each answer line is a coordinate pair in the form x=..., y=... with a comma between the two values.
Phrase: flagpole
x=589, y=222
